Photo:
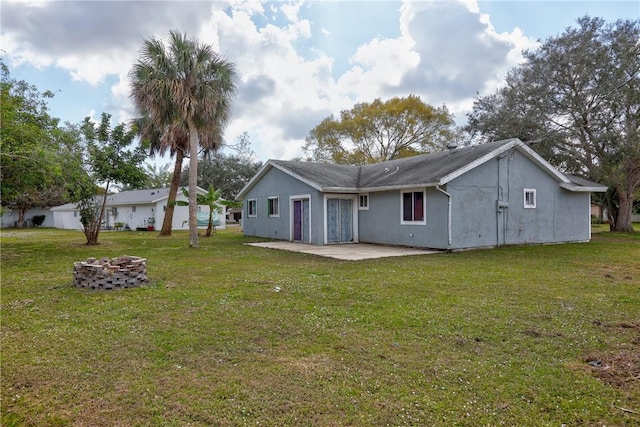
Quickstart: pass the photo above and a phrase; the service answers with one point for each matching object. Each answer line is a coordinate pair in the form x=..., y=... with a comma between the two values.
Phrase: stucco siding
x=573, y=219
x=473, y=207
x=276, y=183
x=382, y=222
x=478, y=220
x=529, y=225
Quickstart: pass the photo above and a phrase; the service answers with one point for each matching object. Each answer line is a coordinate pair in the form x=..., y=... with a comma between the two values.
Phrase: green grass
x=486, y=337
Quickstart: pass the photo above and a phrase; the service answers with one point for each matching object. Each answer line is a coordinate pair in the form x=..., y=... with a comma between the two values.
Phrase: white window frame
x=302, y=198
x=363, y=197
x=255, y=208
x=275, y=202
x=354, y=214
x=532, y=192
x=424, y=206
x=133, y=208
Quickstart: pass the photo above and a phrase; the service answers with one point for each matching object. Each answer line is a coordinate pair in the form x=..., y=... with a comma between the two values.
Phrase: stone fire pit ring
x=121, y=272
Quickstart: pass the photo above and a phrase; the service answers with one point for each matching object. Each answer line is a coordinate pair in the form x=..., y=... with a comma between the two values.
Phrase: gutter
x=448, y=213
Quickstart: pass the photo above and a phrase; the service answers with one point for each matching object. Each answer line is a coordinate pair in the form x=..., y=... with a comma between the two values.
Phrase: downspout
x=449, y=239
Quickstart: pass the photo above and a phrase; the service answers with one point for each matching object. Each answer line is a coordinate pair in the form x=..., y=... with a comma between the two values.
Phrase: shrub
x=38, y=220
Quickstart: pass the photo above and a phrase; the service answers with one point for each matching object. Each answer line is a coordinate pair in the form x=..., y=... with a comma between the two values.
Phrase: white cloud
x=378, y=65
x=460, y=52
x=278, y=86
x=17, y=57
x=446, y=51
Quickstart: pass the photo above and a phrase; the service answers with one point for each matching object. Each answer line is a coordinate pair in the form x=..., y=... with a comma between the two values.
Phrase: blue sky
x=299, y=61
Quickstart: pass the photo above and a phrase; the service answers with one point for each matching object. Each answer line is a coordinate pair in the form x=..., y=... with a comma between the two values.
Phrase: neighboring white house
x=10, y=218
x=137, y=209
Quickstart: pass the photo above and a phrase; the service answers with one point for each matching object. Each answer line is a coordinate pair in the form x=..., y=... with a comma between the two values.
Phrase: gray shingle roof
x=323, y=175
x=581, y=184
x=147, y=196
x=425, y=169
x=422, y=170
x=132, y=197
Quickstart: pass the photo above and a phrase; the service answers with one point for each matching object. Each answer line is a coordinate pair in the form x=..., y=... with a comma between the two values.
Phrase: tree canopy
x=157, y=176
x=183, y=91
x=377, y=131
x=110, y=159
x=40, y=160
x=227, y=173
x=577, y=100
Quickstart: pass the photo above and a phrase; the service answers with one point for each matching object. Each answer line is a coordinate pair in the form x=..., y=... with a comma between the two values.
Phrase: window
x=114, y=211
x=133, y=208
x=413, y=207
x=252, y=207
x=363, y=201
x=273, y=206
x=75, y=214
x=529, y=198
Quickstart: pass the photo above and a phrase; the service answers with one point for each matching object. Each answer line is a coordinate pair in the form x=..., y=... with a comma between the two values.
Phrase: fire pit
x=121, y=272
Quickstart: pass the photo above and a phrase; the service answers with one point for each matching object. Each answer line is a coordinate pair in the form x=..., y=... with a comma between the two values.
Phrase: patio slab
x=349, y=252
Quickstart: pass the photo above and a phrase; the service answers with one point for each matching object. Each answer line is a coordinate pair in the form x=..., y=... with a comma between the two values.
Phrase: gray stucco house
x=502, y=193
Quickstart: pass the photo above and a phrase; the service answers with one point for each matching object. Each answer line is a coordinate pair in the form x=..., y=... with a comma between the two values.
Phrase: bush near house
x=38, y=220
x=236, y=335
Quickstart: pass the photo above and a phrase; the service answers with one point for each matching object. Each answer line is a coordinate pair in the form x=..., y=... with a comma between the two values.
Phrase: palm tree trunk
x=173, y=193
x=210, y=224
x=194, y=142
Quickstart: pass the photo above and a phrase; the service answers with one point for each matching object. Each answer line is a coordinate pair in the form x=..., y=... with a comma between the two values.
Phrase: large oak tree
x=41, y=160
x=577, y=99
x=378, y=131
x=110, y=159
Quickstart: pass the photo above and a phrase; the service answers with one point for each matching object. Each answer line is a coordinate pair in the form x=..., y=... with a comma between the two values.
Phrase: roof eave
x=532, y=155
x=340, y=190
x=252, y=181
x=479, y=161
x=397, y=187
x=271, y=164
x=199, y=190
x=583, y=189
x=513, y=143
x=310, y=183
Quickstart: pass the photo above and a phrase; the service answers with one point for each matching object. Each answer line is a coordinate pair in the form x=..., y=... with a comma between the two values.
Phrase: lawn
x=230, y=334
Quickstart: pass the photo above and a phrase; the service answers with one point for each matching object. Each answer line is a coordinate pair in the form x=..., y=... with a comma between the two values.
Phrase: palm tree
x=183, y=90
x=213, y=199
x=160, y=141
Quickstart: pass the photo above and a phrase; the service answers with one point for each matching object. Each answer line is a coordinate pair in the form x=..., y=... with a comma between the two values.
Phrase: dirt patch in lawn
x=620, y=366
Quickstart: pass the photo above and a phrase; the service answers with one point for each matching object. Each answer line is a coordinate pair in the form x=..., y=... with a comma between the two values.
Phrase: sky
x=298, y=61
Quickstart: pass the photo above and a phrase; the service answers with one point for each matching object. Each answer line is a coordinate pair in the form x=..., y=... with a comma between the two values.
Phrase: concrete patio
x=349, y=252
